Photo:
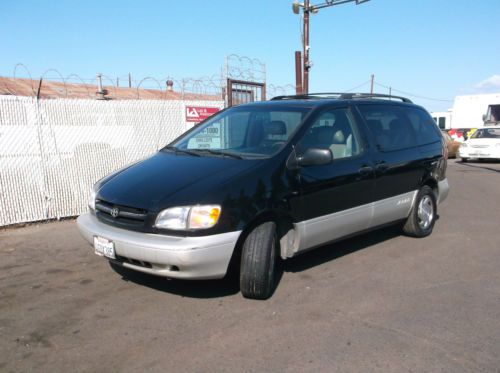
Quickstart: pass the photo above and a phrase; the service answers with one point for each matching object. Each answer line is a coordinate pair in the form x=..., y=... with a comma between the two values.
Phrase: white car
x=483, y=144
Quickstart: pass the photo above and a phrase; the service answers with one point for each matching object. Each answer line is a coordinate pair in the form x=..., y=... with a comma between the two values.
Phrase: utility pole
x=129, y=80
x=307, y=9
x=305, y=46
x=371, y=85
x=298, y=73
x=100, y=91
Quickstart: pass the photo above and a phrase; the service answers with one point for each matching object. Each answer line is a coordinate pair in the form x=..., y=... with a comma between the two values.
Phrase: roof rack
x=340, y=95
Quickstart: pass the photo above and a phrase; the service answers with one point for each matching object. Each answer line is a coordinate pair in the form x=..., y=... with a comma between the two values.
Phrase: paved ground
x=379, y=302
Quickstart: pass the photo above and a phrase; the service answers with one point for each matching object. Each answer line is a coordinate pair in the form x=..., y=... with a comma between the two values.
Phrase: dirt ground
x=379, y=302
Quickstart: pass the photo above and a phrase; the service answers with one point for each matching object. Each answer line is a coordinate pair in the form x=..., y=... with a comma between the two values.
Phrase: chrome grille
x=111, y=211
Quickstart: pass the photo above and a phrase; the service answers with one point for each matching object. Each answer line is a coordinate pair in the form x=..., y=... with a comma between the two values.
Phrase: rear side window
x=425, y=128
x=397, y=127
x=390, y=126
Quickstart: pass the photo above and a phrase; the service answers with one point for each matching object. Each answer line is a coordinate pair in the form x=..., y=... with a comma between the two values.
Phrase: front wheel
x=423, y=214
x=465, y=160
x=259, y=262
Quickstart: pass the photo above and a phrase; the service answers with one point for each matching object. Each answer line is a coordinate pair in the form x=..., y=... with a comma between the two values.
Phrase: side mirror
x=315, y=157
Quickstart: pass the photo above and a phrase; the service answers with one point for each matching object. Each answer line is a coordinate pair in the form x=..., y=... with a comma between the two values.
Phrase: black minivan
x=266, y=181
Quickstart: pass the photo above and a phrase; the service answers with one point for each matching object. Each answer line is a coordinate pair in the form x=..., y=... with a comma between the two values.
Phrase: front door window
x=334, y=130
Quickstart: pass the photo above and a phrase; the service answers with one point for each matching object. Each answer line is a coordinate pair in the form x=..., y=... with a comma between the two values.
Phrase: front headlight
x=92, y=197
x=188, y=217
x=497, y=145
x=463, y=145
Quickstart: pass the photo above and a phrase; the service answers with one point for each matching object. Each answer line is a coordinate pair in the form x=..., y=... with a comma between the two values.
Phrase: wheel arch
x=285, y=229
x=433, y=184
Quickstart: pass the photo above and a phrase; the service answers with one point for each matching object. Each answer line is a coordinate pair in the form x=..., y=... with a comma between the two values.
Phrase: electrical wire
x=358, y=86
x=412, y=94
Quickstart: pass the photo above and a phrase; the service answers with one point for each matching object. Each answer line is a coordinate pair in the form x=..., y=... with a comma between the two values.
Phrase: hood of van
x=167, y=179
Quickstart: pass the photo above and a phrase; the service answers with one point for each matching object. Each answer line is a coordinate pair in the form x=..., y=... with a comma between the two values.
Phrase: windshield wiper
x=220, y=152
x=185, y=151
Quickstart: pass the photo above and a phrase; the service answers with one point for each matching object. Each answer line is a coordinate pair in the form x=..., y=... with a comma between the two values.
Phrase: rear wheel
x=423, y=214
x=465, y=160
x=259, y=257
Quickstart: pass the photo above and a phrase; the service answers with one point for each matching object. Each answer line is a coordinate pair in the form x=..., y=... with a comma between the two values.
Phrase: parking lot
x=379, y=302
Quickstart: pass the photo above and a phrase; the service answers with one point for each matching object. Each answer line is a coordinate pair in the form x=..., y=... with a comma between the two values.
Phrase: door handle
x=381, y=166
x=365, y=170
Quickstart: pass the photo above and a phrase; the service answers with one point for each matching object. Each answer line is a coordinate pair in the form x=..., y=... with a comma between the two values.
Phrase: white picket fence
x=52, y=151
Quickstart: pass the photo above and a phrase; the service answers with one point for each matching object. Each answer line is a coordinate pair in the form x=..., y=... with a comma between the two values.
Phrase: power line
x=358, y=86
x=412, y=94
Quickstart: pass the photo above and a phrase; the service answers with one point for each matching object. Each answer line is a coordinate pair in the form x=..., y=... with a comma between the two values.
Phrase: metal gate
x=241, y=92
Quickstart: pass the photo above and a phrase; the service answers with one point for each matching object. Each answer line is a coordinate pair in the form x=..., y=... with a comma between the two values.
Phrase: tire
x=258, y=272
x=465, y=160
x=423, y=214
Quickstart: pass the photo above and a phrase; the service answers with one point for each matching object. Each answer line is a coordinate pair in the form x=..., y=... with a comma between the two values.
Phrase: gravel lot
x=379, y=302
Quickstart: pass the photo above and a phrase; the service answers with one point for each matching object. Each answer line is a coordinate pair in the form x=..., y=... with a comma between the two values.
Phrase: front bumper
x=177, y=257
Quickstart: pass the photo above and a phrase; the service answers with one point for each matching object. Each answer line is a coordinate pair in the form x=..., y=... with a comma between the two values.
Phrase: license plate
x=104, y=247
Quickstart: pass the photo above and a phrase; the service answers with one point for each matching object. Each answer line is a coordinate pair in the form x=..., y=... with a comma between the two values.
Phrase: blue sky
x=430, y=48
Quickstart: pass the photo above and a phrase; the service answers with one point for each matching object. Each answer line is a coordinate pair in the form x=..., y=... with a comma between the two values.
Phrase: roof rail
x=340, y=95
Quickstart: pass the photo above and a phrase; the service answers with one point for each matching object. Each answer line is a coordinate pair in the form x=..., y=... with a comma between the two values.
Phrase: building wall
x=442, y=118
x=468, y=111
x=53, y=151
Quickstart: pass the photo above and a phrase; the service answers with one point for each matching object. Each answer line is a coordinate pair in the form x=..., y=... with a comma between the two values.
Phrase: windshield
x=486, y=133
x=243, y=132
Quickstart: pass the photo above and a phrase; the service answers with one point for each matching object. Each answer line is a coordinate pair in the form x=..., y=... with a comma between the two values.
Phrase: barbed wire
x=145, y=79
x=61, y=77
x=54, y=84
x=245, y=68
x=206, y=87
x=276, y=90
x=81, y=80
x=112, y=83
x=29, y=74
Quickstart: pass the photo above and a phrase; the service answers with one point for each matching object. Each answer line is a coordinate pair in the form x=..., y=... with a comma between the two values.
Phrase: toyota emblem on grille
x=115, y=212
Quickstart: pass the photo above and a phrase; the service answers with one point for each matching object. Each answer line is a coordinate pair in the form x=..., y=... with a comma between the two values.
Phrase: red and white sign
x=199, y=113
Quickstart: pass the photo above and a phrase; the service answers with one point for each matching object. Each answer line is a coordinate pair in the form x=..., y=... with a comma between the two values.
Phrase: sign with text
x=209, y=138
x=198, y=113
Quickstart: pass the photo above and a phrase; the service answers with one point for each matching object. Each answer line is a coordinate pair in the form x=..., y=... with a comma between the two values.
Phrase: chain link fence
x=60, y=134
x=53, y=150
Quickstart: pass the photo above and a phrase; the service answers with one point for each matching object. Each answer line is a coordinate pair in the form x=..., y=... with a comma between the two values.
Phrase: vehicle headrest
x=324, y=135
x=339, y=137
